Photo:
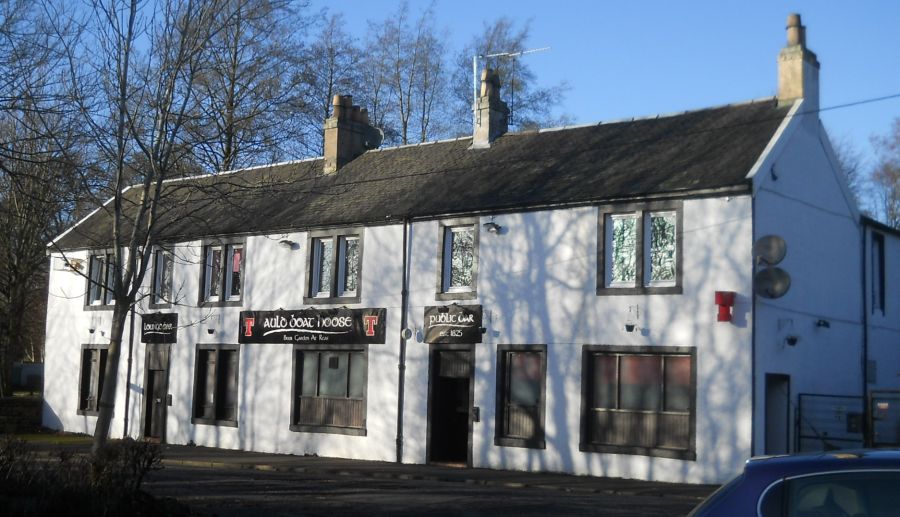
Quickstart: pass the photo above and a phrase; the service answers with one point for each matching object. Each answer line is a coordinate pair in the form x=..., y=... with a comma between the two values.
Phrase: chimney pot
x=796, y=32
x=345, y=133
x=798, y=68
x=491, y=111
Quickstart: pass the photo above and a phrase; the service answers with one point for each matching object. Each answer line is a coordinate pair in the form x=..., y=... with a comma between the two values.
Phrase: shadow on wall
x=548, y=276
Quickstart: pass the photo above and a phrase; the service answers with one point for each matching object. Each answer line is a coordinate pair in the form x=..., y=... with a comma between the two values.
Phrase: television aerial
x=475, y=59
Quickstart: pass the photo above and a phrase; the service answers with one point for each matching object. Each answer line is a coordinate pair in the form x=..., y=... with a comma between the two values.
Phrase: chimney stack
x=491, y=113
x=347, y=133
x=798, y=68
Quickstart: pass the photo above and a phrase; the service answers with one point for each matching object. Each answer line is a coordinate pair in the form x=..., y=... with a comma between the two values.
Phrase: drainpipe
x=128, y=375
x=753, y=334
x=865, y=345
x=401, y=366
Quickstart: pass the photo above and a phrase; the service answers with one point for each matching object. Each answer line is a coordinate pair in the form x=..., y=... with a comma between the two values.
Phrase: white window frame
x=99, y=281
x=444, y=290
x=336, y=290
x=223, y=279
x=642, y=284
x=160, y=256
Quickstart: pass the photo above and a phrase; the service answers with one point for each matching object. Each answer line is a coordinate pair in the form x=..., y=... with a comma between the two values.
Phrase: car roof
x=773, y=467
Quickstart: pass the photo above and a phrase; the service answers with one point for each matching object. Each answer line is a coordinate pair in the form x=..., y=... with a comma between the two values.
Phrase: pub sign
x=453, y=324
x=159, y=328
x=314, y=326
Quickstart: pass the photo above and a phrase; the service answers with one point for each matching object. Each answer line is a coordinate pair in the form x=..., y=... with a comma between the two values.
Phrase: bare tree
x=407, y=62
x=850, y=162
x=332, y=66
x=249, y=91
x=38, y=155
x=530, y=105
x=885, y=177
x=139, y=104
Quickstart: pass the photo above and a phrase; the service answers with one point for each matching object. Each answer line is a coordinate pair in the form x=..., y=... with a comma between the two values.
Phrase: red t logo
x=248, y=326
x=370, y=322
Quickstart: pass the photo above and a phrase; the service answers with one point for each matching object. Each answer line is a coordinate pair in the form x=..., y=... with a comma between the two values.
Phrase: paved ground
x=238, y=483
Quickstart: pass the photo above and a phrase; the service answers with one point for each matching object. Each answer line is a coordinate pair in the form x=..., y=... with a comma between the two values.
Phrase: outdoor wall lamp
x=92, y=330
x=725, y=301
x=210, y=331
x=492, y=227
x=287, y=243
x=823, y=324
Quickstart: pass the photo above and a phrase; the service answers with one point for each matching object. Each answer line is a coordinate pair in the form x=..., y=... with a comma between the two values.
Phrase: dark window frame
x=589, y=376
x=642, y=211
x=296, y=382
x=442, y=292
x=334, y=295
x=102, y=354
x=106, y=259
x=218, y=348
x=155, y=297
x=224, y=300
x=878, y=283
x=501, y=436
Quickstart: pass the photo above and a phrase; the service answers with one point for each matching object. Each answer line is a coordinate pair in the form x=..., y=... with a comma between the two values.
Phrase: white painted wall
x=537, y=284
x=884, y=327
x=801, y=196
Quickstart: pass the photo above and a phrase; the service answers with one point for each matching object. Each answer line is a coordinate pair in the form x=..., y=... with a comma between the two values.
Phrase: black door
x=449, y=405
x=156, y=387
x=156, y=404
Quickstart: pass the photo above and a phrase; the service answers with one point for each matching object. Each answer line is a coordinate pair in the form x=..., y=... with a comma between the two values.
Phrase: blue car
x=851, y=483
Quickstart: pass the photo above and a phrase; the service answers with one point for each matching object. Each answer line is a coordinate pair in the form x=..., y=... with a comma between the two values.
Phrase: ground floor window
x=521, y=381
x=329, y=392
x=216, y=385
x=639, y=400
x=93, y=366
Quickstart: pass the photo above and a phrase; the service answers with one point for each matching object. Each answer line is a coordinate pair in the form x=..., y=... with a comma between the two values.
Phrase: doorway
x=778, y=413
x=450, y=397
x=156, y=387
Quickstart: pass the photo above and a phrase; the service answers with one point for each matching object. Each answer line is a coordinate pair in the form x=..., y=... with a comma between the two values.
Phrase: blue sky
x=641, y=57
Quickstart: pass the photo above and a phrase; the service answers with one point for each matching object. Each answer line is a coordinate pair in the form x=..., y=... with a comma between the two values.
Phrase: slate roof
x=667, y=156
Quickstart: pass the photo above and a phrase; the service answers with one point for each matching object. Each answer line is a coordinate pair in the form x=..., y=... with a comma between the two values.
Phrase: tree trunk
x=110, y=377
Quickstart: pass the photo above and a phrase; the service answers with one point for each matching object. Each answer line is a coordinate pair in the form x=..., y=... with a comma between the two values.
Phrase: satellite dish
x=771, y=249
x=373, y=136
x=772, y=282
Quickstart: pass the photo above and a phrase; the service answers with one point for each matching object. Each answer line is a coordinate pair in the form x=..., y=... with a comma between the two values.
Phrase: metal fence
x=885, y=411
x=829, y=422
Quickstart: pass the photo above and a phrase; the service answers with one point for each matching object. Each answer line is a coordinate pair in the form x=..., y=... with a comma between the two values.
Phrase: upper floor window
x=640, y=250
x=459, y=260
x=877, y=274
x=334, y=267
x=223, y=269
x=163, y=265
x=101, y=279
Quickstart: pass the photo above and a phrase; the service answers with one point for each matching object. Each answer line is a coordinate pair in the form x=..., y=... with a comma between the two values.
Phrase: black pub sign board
x=453, y=324
x=314, y=326
x=159, y=328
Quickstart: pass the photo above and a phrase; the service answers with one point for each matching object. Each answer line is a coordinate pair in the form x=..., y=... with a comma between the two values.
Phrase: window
x=215, y=385
x=639, y=400
x=334, y=267
x=329, y=393
x=163, y=264
x=877, y=272
x=459, y=260
x=223, y=270
x=640, y=250
x=521, y=381
x=93, y=365
x=101, y=279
